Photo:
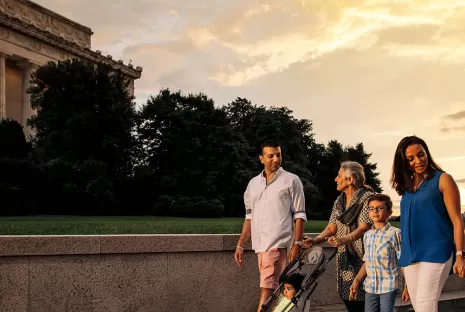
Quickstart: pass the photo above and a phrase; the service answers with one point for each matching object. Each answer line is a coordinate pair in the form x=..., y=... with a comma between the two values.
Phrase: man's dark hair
x=382, y=198
x=268, y=143
x=295, y=280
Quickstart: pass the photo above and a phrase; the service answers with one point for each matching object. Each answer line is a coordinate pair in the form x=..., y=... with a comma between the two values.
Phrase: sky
x=361, y=71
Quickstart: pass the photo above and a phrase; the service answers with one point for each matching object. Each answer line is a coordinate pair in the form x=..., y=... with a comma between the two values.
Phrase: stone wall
x=142, y=273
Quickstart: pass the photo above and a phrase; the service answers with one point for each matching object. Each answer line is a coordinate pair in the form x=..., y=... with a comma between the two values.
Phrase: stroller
x=311, y=264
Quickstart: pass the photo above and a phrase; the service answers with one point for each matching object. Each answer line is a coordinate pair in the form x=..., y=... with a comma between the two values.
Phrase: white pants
x=425, y=282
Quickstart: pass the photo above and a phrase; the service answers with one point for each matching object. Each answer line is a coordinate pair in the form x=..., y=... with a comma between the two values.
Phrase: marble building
x=31, y=36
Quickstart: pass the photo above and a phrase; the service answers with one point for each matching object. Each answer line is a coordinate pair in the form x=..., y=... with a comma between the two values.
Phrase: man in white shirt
x=275, y=216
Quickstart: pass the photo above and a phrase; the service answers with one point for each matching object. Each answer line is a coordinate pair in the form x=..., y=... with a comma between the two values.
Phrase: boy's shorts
x=271, y=264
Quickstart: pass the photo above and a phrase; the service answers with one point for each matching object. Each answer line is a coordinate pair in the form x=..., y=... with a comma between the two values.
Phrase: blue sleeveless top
x=426, y=229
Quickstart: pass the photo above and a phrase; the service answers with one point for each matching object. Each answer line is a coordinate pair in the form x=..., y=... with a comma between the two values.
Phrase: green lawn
x=76, y=225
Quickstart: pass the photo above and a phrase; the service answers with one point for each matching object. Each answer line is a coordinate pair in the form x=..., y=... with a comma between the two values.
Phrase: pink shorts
x=270, y=265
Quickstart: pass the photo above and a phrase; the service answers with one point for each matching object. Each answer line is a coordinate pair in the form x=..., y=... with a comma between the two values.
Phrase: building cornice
x=66, y=20
x=16, y=24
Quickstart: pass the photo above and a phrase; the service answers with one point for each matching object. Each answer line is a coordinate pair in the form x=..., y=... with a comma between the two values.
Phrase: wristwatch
x=460, y=253
x=300, y=243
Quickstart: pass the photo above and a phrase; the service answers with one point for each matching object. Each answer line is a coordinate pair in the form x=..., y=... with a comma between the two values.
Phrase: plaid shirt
x=382, y=253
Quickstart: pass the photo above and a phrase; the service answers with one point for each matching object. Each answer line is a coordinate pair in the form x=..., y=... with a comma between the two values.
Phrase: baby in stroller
x=292, y=284
x=301, y=278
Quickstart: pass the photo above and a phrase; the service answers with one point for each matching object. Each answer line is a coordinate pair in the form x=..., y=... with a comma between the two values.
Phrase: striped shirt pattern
x=273, y=208
x=382, y=254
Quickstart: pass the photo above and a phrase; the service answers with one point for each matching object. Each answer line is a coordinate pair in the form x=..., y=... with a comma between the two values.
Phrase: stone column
x=2, y=86
x=26, y=111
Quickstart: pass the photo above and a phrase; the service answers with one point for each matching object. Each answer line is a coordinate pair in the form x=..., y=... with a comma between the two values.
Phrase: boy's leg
x=387, y=301
x=372, y=302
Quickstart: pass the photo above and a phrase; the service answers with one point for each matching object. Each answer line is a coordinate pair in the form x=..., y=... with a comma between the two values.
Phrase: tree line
x=95, y=153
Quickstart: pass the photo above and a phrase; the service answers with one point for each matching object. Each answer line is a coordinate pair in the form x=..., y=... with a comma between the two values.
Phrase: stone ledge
x=43, y=245
x=48, y=245
x=159, y=243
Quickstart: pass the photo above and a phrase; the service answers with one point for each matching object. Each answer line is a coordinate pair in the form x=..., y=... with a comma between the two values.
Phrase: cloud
x=455, y=116
x=449, y=129
x=355, y=25
x=453, y=122
x=155, y=60
x=366, y=71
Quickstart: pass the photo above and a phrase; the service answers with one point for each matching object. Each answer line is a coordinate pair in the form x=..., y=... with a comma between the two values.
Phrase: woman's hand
x=334, y=242
x=459, y=266
x=405, y=295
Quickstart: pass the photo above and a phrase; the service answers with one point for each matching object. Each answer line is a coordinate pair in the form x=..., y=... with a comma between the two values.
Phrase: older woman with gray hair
x=348, y=223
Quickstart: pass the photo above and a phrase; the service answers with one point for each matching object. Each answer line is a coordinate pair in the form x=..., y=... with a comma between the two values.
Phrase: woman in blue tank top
x=431, y=223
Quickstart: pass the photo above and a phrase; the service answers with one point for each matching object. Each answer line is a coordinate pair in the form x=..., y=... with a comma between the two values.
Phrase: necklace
x=417, y=182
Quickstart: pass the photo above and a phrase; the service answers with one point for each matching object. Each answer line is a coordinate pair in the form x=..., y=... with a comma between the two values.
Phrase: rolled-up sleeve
x=298, y=200
x=248, y=203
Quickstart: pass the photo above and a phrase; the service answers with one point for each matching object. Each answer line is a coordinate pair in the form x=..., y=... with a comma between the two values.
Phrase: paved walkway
x=450, y=301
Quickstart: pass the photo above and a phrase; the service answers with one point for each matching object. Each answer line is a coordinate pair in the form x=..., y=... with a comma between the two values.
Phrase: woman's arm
x=329, y=231
x=451, y=195
x=365, y=224
x=351, y=237
x=355, y=235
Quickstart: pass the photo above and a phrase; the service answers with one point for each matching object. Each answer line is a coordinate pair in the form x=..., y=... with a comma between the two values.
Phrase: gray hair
x=356, y=171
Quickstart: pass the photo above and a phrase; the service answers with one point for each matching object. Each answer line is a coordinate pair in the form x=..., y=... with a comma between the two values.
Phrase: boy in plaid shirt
x=382, y=252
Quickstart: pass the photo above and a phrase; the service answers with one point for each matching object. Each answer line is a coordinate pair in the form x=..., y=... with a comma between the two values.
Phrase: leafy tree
x=83, y=131
x=83, y=111
x=193, y=151
x=326, y=171
x=258, y=123
x=359, y=155
x=20, y=180
x=330, y=162
x=12, y=140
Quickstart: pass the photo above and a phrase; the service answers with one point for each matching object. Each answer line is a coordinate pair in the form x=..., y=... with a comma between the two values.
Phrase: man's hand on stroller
x=307, y=242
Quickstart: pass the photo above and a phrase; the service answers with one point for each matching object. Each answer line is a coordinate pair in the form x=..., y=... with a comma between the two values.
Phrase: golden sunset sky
x=362, y=71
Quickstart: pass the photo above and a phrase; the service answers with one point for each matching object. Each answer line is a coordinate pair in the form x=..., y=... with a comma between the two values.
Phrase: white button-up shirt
x=273, y=208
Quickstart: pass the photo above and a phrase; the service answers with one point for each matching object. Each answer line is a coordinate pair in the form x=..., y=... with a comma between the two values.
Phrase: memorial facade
x=30, y=37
